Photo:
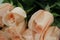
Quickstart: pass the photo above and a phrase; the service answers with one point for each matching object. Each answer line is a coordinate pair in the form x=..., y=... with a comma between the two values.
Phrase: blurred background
x=31, y=6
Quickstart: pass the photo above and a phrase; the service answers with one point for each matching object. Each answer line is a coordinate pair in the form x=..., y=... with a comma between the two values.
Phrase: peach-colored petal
x=15, y=17
x=3, y=36
x=37, y=36
x=31, y=35
x=4, y=8
x=40, y=20
x=13, y=34
x=28, y=35
x=51, y=34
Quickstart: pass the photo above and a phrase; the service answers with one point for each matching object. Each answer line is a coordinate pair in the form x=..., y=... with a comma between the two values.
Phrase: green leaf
x=41, y=5
x=11, y=2
x=47, y=8
x=6, y=1
x=28, y=2
x=56, y=22
x=30, y=9
x=20, y=5
x=55, y=14
x=1, y=1
x=58, y=3
x=53, y=5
